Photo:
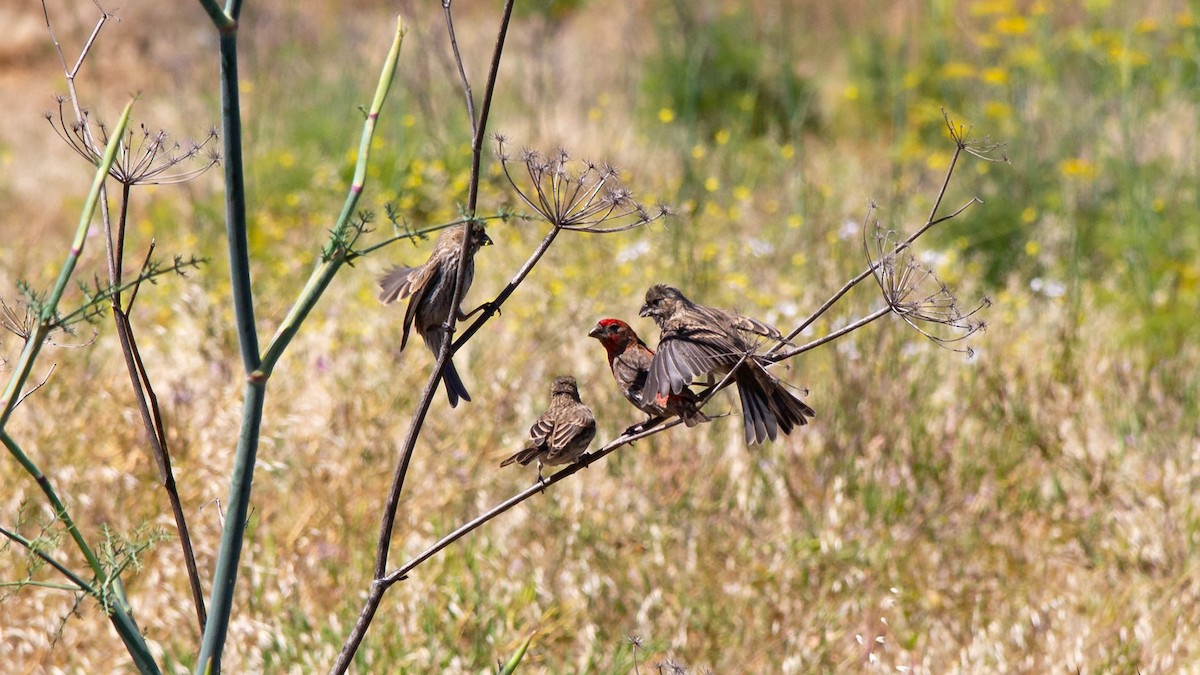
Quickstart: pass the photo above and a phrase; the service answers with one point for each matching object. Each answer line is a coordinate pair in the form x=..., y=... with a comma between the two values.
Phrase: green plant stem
x=233, y=533
x=46, y=321
x=222, y=19
x=60, y=509
x=39, y=584
x=333, y=259
x=258, y=368
x=34, y=342
x=220, y=603
x=367, y=250
x=118, y=613
x=80, y=584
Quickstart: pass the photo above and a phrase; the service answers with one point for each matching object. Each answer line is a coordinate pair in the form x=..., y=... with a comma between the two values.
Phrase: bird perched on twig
x=630, y=358
x=562, y=433
x=698, y=340
x=430, y=288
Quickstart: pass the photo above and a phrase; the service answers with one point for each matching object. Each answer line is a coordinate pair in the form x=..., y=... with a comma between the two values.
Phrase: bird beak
x=487, y=241
x=644, y=311
x=596, y=331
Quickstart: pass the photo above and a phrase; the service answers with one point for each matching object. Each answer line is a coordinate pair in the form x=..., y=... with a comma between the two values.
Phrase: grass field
x=1033, y=507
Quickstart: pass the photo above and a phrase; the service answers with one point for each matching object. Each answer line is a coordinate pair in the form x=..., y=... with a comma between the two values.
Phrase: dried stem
x=445, y=351
x=538, y=487
x=979, y=149
x=144, y=161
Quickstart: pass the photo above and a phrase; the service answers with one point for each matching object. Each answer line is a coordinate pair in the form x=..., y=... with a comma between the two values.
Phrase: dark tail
x=768, y=407
x=523, y=457
x=455, y=389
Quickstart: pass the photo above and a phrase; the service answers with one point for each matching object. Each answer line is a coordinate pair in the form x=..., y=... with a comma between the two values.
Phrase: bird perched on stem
x=630, y=358
x=430, y=288
x=562, y=433
x=698, y=340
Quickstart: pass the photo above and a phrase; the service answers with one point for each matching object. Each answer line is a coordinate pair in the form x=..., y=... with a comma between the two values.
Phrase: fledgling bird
x=430, y=288
x=562, y=433
x=698, y=340
x=630, y=358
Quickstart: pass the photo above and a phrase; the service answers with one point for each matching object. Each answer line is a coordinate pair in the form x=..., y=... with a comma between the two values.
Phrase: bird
x=629, y=359
x=429, y=288
x=562, y=433
x=697, y=340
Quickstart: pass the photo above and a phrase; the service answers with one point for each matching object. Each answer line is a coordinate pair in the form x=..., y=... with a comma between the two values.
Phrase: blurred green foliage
x=721, y=69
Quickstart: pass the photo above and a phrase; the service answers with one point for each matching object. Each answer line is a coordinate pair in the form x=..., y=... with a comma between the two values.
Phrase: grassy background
x=1034, y=508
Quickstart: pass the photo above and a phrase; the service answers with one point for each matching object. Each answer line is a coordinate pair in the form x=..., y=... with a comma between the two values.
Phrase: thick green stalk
x=259, y=368
x=238, y=505
x=60, y=509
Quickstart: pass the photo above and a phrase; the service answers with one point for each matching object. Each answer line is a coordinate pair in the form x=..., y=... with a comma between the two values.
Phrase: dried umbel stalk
x=145, y=157
x=915, y=293
x=582, y=197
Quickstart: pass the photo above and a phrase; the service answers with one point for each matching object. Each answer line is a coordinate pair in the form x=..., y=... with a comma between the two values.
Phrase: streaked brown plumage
x=562, y=433
x=698, y=340
x=430, y=288
x=630, y=359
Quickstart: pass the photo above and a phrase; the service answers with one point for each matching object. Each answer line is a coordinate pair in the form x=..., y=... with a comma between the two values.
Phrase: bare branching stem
x=845, y=330
x=462, y=72
x=446, y=350
x=491, y=308
x=33, y=345
x=873, y=266
x=156, y=434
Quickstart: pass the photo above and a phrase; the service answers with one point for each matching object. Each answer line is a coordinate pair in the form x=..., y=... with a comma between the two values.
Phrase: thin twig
x=538, y=487
x=492, y=308
x=877, y=314
x=462, y=73
x=79, y=582
x=39, y=385
x=156, y=435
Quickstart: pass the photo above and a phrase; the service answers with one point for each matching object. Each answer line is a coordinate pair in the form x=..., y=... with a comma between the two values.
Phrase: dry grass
x=1031, y=509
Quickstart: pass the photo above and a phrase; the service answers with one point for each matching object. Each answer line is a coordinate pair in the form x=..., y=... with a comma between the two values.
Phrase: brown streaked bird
x=562, y=433
x=630, y=359
x=429, y=289
x=698, y=340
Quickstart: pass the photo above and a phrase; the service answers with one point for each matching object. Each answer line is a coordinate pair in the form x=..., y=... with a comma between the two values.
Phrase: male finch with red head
x=430, y=288
x=562, y=433
x=630, y=358
x=698, y=340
